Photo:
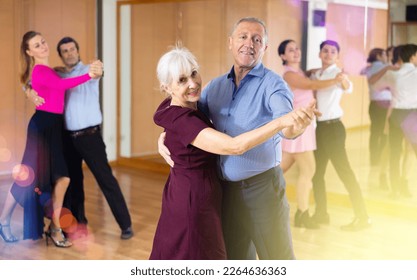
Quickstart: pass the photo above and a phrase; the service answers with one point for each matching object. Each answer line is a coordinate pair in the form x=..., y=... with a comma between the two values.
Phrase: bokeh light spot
x=66, y=219
x=23, y=175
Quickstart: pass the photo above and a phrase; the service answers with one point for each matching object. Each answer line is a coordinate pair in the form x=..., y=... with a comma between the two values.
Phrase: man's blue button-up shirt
x=261, y=96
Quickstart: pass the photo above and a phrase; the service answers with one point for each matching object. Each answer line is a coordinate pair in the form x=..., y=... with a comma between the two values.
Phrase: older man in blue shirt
x=255, y=208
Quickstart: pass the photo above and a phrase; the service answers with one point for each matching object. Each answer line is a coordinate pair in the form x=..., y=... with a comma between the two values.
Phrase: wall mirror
x=147, y=28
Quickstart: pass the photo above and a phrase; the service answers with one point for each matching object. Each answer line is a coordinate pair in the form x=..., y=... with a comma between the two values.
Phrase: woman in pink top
x=43, y=177
x=300, y=150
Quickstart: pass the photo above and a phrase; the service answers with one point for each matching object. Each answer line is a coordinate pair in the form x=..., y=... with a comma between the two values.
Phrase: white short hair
x=175, y=63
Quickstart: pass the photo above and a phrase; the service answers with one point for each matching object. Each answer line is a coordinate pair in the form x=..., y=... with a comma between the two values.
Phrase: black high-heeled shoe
x=11, y=237
x=64, y=243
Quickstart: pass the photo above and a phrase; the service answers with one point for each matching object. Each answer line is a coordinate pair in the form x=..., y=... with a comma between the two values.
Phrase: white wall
x=125, y=82
x=316, y=35
x=109, y=80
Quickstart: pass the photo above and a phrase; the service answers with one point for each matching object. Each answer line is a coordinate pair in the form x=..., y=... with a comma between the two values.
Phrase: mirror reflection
x=147, y=30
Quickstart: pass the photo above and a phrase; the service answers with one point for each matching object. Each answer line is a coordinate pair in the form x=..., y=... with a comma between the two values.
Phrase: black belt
x=330, y=121
x=252, y=179
x=86, y=131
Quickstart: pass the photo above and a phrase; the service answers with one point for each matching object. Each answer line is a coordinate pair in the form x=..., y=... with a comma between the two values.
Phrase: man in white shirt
x=331, y=137
x=403, y=86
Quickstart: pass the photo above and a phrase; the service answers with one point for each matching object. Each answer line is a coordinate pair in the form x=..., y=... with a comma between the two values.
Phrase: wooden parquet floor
x=392, y=236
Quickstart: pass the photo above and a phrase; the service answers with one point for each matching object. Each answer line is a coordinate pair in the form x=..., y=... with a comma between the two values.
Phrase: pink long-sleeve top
x=52, y=88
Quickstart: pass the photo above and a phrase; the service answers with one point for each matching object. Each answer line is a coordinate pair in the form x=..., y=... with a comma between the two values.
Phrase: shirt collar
x=328, y=69
x=77, y=66
x=258, y=71
x=408, y=65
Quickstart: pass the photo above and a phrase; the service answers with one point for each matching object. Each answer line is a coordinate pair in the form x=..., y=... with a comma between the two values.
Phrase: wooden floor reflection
x=392, y=236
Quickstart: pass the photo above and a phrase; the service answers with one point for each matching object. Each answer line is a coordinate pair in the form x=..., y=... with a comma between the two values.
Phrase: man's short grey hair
x=255, y=20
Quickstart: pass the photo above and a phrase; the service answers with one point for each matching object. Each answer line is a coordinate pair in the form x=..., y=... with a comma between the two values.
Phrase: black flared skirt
x=42, y=164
